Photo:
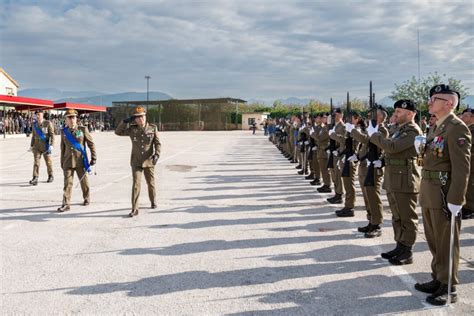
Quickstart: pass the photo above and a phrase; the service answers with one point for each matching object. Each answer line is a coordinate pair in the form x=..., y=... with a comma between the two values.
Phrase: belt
x=442, y=176
x=396, y=162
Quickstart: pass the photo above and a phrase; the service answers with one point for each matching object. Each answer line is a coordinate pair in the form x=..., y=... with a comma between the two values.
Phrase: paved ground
x=237, y=231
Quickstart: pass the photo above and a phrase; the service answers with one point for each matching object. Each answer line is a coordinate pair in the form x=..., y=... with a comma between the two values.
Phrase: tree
x=419, y=90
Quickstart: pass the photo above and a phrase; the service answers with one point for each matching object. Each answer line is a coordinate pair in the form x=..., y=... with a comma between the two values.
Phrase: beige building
x=8, y=86
x=249, y=118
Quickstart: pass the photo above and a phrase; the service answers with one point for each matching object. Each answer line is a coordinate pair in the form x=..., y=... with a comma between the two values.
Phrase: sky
x=251, y=49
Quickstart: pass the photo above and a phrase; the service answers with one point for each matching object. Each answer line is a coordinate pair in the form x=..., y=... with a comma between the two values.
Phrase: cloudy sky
x=248, y=49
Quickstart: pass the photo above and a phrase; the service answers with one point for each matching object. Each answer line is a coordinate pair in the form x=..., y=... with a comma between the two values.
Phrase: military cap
x=139, y=111
x=443, y=89
x=338, y=110
x=468, y=110
x=405, y=104
x=38, y=111
x=71, y=112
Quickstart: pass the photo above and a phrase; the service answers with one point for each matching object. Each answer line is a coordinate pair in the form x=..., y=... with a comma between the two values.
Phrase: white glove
x=50, y=149
x=306, y=143
x=372, y=130
x=455, y=209
x=314, y=148
x=328, y=152
x=349, y=127
x=335, y=153
x=332, y=130
x=368, y=162
x=353, y=158
x=378, y=164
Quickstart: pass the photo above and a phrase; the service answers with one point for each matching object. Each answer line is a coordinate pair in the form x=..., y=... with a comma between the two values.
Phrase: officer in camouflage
x=146, y=149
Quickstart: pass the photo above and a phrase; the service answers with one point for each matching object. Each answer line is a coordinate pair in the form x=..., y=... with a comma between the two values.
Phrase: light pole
x=147, y=90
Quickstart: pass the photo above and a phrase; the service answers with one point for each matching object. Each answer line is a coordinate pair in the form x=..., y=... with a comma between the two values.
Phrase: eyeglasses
x=433, y=99
x=70, y=117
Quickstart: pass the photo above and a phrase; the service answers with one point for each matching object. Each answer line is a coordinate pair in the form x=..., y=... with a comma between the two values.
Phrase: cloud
x=249, y=49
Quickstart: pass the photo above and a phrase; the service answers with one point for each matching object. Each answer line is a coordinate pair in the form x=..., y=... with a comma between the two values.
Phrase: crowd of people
x=15, y=122
x=430, y=164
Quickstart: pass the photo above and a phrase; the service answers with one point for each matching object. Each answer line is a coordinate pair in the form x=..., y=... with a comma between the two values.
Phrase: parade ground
x=237, y=231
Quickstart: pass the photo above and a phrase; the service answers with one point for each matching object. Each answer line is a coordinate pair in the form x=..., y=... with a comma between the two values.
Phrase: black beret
x=468, y=110
x=326, y=114
x=443, y=89
x=338, y=110
x=405, y=104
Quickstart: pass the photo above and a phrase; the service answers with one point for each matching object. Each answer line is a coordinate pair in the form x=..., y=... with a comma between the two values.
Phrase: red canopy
x=22, y=103
x=80, y=107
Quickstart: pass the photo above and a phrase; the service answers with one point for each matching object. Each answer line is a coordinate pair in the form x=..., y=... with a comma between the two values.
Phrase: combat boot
x=303, y=171
x=324, y=189
x=50, y=178
x=404, y=257
x=364, y=229
x=316, y=182
x=153, y=205
x=392, y=253
x=336, y=199
x=345, y=212
x=64, y=208
x=428, y=287
x=86, y=202
x=374, y=231
x=299, y=166
x=34, y=181
x=133, y=213
x=309, y=176
x=467, y=213
x=440, y=297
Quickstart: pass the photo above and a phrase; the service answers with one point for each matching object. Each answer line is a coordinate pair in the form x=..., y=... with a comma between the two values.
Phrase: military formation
x=426, y=164
x=74, y=158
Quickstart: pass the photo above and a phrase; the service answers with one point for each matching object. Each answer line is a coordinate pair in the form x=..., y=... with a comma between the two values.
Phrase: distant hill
x=91, y=97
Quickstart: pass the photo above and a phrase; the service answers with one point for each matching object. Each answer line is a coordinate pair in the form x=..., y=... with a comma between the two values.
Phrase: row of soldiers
x=432, y=170
x=75, y=139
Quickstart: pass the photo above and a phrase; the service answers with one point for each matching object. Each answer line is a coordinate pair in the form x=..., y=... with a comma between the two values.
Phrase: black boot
x=392, y=253
x=324, y=189
x=34, y=181
x=345, y=212
x=428, y=287
x=64, y=208
x=404, y=257
x=303, y=171
x=467, y=213
x=375, y=231
x=364, y=229
x=336, y=199
x=309, y=176
x=50, y=178
x=299, y=166
x=440, y=297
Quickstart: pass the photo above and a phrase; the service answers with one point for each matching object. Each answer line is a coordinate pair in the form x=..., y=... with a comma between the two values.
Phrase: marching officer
x=402, y=179
x=468, y=208
x=445, y=176
x=146, y=149
x=42, y=142
x=74, y=139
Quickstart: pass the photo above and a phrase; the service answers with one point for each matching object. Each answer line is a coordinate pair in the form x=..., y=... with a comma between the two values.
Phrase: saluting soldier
x=350, y=163
x=402, y=179
x=337, y=133
x=322, y=139
x=445, y=175
x=146, y=149
x=468, y=208
x=42, y=142
x=74, y=139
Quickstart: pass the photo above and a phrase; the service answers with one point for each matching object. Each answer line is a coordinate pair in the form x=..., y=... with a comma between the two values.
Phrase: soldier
x=337, y=133
x=315, y=167
x=371, y=194
x=349, y=163
x=401, y=180
x=303, y=142
x=393, y=125
x=444, y=182
x=42, y=142
x=468, y=208
x=322, y=140
x=74, y=158
x=145, y=154
x=423, y=124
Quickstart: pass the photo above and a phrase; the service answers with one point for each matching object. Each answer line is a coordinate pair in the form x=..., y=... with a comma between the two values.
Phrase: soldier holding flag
x=74, y=158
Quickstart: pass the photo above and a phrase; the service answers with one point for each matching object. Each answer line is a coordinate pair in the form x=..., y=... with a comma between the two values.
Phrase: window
x=251, y=120
x=9, y=91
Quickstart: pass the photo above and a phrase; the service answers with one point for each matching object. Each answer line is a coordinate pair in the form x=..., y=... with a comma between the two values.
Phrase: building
x=249, y=118
x=8, y=86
